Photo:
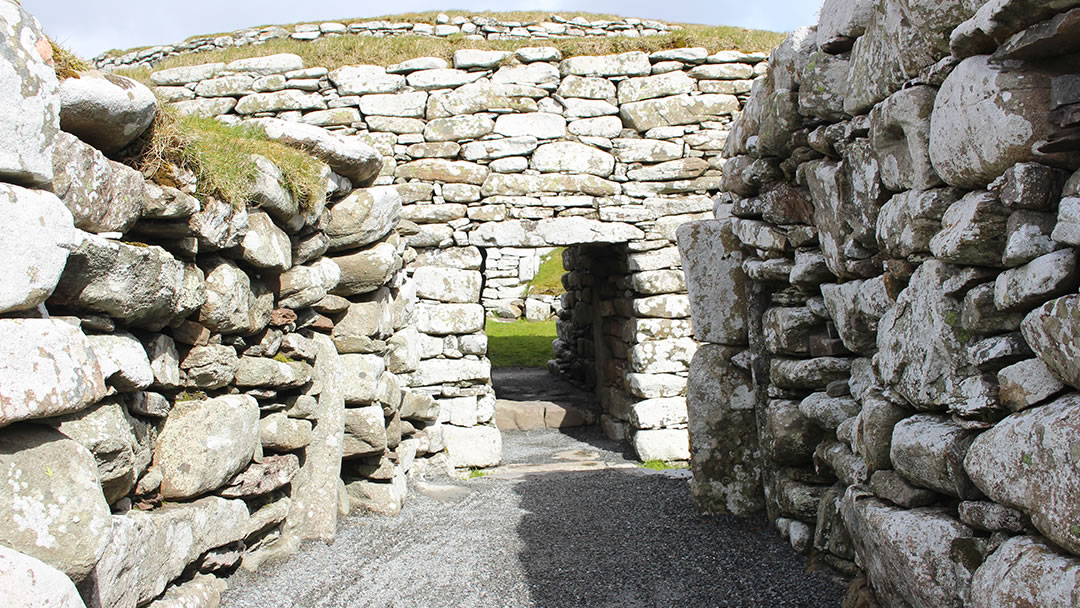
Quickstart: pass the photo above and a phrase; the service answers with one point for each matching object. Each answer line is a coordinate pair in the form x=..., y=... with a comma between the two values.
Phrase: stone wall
x=473, y=27
x=888, y=293
x=187, y=384
x=506, y=154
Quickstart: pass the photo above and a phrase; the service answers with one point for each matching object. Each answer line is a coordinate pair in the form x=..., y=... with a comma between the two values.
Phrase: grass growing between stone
x=520, y=343
x=334, y=52
x=220, y=157
x=548, y=280
x=663, y=465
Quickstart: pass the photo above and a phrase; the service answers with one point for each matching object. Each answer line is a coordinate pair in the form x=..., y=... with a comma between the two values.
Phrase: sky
x=91, y=27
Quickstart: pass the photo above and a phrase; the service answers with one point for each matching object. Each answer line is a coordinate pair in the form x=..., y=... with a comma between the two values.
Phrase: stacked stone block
x=506, y=155
x=899, y=188
x=471, y=28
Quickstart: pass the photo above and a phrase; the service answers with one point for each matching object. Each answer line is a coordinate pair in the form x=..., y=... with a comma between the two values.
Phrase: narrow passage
x=569, y=520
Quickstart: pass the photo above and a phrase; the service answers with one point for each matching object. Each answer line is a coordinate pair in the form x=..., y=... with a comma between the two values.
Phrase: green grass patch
x=548, y=280
x=220, y=156
x=663, y=465
x=520, y=343
x=334, y=52
x=475, y=473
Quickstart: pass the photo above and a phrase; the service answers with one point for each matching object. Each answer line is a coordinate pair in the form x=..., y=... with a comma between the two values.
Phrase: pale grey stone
x=465, y=59
x=634, y=63
x=1005, y=105
x=478, y=446
x=602, y=126
x=662, y=356
x=186, y=74
x=444, y=319
x=348, y=156
x=365, y=80
x=102, y=195
x=1051, y=275
x=1025, y=569
x=448, y=284
x=271, y=373
x=225, y=86
x=366, y=270
x=588, y=108
x=57, y=513
x=441, y=371
x=907, y=552
x=535, y=124
x=552, y=232
x=270, y=64
x=209, y=108
x=231, y=423
x=587, y=88
x=26, y=581
x=650, y=87
x=573, y=157
x=535, y=74
x=1027, y=383
x=458, y=128
x=425, y=80
x=1015, y=464
x=900, y=132
x=105, y=110
x=234, y=302
x=909, y=220
x=265, y=245
x=929, y=451
x=677, y=110
x=662, y=444
x=420, y=63
x=823, y=86
x=302, y=286
x=484, y=96
x=442, y=170
x=363, y=217
x=37, y=233
x=645, y=150
x=123, y=361
x=279, y=433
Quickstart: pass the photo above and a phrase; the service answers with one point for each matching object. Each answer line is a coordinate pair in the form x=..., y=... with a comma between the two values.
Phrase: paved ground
x=569, y=521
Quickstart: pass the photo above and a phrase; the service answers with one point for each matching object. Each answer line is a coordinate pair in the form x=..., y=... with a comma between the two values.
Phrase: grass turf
x=520, y=343
x=548, y=280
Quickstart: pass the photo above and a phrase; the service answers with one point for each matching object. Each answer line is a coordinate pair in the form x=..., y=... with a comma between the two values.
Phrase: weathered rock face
x=205, y=443
x=31, y=102
x=715, y=280
x=986, y=118
x=478, y=446
x=57, y=511
x=1026, y=570
x=363, y=217
x=234, y=303
x=105, y=110
x=36, y=235
x=908, y=554
x=140, y=286
x=1051, y=331
x=723, y=436
x=930, y=451
x=31, y=582
x=62, y=376
x=1018, y=463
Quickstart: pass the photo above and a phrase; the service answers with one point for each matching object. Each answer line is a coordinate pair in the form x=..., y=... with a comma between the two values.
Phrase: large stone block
x=662, y=444
x=574, y=157
x=57, y=512
x=988, y=117
x=677, y=110
x=1023, y=462
x=789, y=437
x=725, y=458
x=30, y=114
x=1053, y=332
x=922, y=346
x=102, y=195
x=348, y=156
x=363, y=217
x=367, y=270
x=972, y=231
x=477, y=446
x=555, y=232
x=235, y=304
x=432, y=372
x=929, y=451
x=190, y=467
x=448, y=284
x=634, y=63
x=47, y=368
x=365, y=80
x=908, y=222
x=445, y=319
x=106, y=111
x=712, y=263
x=913, y=557
x=25, y=581
x=34, y=240
x=1025, y=570
x=141, y=286
x=900, y=132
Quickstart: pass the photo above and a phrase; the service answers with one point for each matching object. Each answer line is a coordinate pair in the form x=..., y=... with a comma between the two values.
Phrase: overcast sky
x=89, y=27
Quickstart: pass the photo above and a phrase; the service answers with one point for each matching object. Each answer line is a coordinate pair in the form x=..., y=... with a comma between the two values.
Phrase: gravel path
x=619, y=536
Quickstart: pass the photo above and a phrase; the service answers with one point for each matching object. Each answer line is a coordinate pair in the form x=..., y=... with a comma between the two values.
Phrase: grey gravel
x=615, y=537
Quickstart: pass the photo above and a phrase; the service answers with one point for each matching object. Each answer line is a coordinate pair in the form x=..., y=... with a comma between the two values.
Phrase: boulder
x=909, y=555
x=34, y=240
x=972, y=231
x=25, y=581
x=909, y=220
x=348, y=156
x=144, y=556
x=1026, y=570
x=823, y=86
x=279, y=433
x=448, y=284
x=141, y=286
x=922, y=352
x=1051, y=275
x=725, y=457
x=789, y=437
x=1053, y=332
x=572, y=157
x=31, y=106
x=265, y=245
x=102, y=195
x=57, y=513
x=668, y=445
x=124, y=362
x=209, y=367
x=105, y=110
x=1027, y=383
x=363, y=217
x=900, y=132
x=677, y=110
x=997, y=20
x=365, y=431
x=302, y=286
x=929, y=451
x=47, y=368
x=367, y=270
x=988, y=117
x=271, y=373
x=120, y=444
x=1018, y=464
x=360, y=386
x=477, y=446
x=313, y=512
x=189, y=467
x=235, y=304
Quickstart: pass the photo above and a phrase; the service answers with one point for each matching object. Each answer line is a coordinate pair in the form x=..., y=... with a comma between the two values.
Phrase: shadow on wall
x=628, y=538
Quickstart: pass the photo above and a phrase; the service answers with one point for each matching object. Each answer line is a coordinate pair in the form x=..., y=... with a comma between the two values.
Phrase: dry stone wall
x=473, y=27
x=187, y=384
x=506, y=155
x=887, y=294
